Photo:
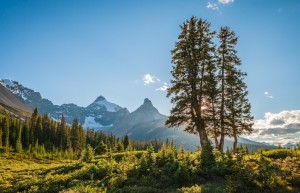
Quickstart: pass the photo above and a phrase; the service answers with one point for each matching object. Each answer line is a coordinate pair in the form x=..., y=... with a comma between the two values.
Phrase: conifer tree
x=235, y=117
x=1, y=134
x=65, y=141
x=32, y=126
x=126, y=142
x=207, y=159
x=101, y=148
x=25, y=135
x=38, y=130
x=82, y=137
x=120, y=147
x=192, y=58
x=75, y=135
x=19, y=140
x=6, y=132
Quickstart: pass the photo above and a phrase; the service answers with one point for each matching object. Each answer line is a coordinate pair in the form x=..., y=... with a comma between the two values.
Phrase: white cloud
x=277, y=128
x=267, y=94
x=226, y=1
x=212, y=6
x=150, y=79
x=164, y=87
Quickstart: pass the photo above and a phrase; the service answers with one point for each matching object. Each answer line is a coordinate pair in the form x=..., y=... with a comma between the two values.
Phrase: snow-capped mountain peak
x=101, y=102
x=7, y=82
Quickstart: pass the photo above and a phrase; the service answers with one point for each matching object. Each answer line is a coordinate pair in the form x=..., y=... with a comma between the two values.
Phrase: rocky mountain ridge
x=143, y=124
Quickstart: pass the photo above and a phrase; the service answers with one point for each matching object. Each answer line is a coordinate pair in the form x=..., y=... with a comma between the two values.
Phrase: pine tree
x=120, y=147
x=19, y=141
x=65, y=141
x=25, y=135
x=75, y=135
x=192, y=58
x=6, y=132
x=1, y=134
x=126, y=142
x=235, y=117
x=207, y=159
x=38, y=130
x=32, y=126
x=101, y=148
x=82, y=137
x=150, y=159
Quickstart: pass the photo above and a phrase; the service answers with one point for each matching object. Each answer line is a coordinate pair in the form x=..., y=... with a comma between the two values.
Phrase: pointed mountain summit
x=146, y=116
x=148, y=109
x=102, y=104
x=100, y=98
x=147, y=102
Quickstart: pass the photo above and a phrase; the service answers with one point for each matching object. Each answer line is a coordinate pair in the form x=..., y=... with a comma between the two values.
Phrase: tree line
x=43, y=134
x=208, y=89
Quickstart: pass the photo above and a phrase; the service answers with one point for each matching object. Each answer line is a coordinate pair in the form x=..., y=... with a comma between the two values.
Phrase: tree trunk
x=234, y=144
x=216, y=141
x=222, y=138
x=202, y=133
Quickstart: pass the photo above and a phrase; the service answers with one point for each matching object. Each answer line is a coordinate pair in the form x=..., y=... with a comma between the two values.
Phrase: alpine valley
x=144, y=124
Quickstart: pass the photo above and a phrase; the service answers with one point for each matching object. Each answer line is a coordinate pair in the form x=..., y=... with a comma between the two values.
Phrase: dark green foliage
x=87, y=154
x=207, y=89
x=18, y=145
x=1, y=134
x=129, y=171
x=207, y=160
x=5, y=126
x=101, y=148
x=126, y=142
x=120, y=147
x=279, y=153
x=192, y=59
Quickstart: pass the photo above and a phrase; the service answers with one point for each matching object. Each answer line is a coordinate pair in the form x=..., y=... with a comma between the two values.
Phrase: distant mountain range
x=143, y=124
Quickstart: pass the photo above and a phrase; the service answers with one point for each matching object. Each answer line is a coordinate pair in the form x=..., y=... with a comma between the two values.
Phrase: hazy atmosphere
x=72, y=53
x=149, y=96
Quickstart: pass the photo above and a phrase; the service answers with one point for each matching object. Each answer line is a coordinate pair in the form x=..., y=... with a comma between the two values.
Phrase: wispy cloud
x=226, y=1
x=216, y=5
x=267, y=94
x=164, y=87
x=212, y=6
x=150, y=79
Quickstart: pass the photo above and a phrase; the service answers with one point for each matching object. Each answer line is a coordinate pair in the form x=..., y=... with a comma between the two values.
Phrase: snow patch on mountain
x=109, y=106
x=90, y=122
x=101, y=102
x=7, y=82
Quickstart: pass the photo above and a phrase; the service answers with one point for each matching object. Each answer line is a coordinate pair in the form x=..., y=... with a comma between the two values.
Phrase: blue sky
x=74, y=51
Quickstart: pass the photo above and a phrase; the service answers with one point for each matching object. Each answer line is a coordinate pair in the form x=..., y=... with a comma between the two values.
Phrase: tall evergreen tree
x=126, y=142
x=25, y=135
x=235, y=117
x=65, y=140
x=240, y=120
x=75, y=135
x=1, y=134
x=82, y=137
x=32, y=126
x=19, y=140
x=192, y=58
x=6, y=132
x=38, y=130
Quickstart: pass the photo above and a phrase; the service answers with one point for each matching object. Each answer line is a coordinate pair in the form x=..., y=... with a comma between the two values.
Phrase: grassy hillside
x=168, y=170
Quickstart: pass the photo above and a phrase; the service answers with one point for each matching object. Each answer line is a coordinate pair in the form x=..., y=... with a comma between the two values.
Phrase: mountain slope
x=100, y=114
x=143, y=124
x=13, y=104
